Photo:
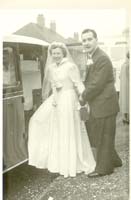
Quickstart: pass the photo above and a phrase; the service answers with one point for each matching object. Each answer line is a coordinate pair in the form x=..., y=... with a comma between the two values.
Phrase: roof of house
x=46, y=34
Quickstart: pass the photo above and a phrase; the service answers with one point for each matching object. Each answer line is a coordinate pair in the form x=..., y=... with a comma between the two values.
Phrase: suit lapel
x=96, y=54
x=94, y=58
x=88, y=68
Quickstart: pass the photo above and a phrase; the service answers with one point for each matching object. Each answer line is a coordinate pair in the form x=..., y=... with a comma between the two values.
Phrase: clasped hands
x=79, y=91
x=81, y=100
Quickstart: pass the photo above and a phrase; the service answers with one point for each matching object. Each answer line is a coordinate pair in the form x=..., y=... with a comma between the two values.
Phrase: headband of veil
x=46, y=88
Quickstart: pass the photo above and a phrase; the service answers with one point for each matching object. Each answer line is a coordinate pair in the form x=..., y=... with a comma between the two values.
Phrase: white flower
x=89, y=61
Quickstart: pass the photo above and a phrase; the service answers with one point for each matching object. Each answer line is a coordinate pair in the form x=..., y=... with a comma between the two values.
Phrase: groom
x=101, y=96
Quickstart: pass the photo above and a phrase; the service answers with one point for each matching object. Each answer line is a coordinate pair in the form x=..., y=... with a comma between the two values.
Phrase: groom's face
x=89, y=42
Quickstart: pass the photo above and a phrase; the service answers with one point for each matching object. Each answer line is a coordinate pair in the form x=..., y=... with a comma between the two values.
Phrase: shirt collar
x=91, y=54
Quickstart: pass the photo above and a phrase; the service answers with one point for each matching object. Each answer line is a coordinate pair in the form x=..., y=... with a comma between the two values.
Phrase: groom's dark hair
x=90, y=30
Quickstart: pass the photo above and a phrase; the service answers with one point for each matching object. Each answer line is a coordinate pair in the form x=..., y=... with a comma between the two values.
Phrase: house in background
x=114, y=45
x=40, y=31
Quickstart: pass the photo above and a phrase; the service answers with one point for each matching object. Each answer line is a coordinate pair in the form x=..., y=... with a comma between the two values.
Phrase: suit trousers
x=101, y=132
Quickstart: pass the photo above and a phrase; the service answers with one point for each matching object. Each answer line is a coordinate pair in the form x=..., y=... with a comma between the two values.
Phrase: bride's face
x=57, y=55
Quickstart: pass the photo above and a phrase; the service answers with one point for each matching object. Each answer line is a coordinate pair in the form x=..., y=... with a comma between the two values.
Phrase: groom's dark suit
x=101, y=95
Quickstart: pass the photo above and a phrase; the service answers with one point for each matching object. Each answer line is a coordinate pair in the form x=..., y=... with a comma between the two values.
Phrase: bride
x=57, y=137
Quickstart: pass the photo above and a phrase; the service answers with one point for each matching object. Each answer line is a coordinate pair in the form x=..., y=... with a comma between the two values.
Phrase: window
x=9, y=73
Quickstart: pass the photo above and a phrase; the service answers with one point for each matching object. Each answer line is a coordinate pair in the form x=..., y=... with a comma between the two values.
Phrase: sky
x=64, y=4
x=104, y=21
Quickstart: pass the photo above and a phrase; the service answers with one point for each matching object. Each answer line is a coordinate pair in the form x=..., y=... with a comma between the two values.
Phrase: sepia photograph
x=65, y=104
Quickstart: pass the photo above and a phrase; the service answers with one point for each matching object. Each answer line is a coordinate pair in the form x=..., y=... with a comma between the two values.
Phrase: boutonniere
x=89, y=61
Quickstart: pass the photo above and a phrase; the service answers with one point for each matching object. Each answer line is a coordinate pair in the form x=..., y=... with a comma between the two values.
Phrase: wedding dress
x=58, y=139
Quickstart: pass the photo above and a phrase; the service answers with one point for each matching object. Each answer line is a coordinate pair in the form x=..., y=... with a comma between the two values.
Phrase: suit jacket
x=100, y=91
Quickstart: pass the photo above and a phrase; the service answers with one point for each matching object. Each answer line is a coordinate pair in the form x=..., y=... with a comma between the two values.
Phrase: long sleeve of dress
x=75, y=77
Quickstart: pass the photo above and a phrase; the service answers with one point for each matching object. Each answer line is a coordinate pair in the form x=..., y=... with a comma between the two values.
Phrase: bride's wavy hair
x=60, y=45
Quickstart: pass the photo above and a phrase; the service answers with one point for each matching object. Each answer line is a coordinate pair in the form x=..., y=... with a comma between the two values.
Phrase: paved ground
x=113, y=187
x=28, y=183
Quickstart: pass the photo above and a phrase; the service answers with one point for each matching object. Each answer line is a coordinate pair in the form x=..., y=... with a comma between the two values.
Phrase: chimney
x=53, y=26
x=76, y=36
x=41, y=20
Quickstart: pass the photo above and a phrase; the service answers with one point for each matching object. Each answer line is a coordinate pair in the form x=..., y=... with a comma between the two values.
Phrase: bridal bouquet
x=57, y=85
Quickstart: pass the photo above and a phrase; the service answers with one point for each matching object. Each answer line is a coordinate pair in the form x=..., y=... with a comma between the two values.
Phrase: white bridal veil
x=46, y=88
